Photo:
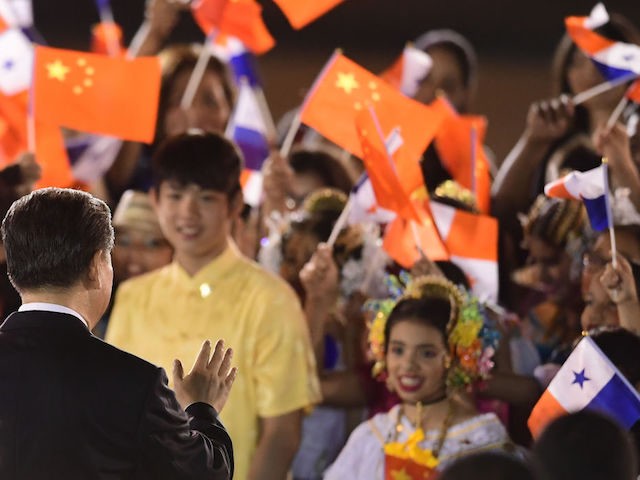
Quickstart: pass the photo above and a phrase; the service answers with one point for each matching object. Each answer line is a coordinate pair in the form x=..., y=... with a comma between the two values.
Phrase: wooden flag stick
x=291, y=135
x=266, y=114
x=341, y=222
x=601, y=88
x=612, y=235
x=616, y=113
x=198, y=71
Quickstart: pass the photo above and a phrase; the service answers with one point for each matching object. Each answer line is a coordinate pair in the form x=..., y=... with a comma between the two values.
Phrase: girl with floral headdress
x=428, y=341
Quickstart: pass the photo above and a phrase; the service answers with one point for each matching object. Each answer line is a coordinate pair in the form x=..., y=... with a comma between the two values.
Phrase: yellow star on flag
x=57, y=70
x=347, y=82
x=400, y=475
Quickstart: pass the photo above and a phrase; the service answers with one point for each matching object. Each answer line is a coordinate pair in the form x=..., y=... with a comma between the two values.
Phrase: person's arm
x=192, y=445
x=319, y=277
x=546, y=123
x=621, y=288
x=614, y=144
x=279, y=441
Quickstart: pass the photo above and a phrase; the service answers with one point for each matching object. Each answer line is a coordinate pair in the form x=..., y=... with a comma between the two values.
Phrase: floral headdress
x=472, y=340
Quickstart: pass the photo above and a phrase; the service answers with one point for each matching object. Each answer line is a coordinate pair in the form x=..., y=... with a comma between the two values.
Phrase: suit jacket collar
x=43, y=320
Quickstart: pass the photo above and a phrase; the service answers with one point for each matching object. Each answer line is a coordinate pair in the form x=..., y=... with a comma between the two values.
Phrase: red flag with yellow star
x=344, y=88
x=460, y=147
x=97, y=94
x=301, y=13
x=238, y=18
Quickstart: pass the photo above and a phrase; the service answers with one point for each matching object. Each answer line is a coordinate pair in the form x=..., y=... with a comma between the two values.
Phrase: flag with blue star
x=587, y=381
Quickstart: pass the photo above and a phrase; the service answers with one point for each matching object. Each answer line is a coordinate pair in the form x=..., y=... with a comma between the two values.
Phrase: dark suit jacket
x=74, y=407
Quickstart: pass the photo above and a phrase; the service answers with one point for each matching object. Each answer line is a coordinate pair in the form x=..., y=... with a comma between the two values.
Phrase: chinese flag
x=344, y=88
x=302, y=12
x=238, y=18
x=401, y=237
x=381, y=168
x=13, y=126
x=459, y=143
x=106, y=38
x=97, y=94
x=52, y=156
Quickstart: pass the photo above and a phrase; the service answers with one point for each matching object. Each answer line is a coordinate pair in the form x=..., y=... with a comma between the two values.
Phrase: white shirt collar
x=51, y=307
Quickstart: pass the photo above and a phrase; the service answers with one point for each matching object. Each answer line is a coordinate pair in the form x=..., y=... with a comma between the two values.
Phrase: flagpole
x=295, y=124
x=416, y=238
x=601, y=88
x=616, y=113
x=612, y=235
x=266, y=113
x=341, y=222
x=291, y=135
x=198, y=71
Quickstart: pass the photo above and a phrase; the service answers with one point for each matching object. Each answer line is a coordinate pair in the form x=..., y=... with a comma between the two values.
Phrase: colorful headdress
x=472, y=340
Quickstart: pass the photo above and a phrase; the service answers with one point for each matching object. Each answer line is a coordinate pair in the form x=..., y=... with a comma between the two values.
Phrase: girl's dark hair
x=328, y=168
x=618, y=29
x=429, y=311
x=181, y=58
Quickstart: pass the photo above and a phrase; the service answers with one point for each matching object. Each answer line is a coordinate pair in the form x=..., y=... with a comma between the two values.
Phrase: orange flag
x=97, y=94
x=238, y=18
x=381, y=168
x=400, y=237
x=344, y=88
x=106, y=36
x=460, y=147
x=13, y=126
x=302, y=12
x=52, y=156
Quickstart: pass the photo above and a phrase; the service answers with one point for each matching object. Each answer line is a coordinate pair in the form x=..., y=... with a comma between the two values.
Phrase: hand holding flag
x=587, y=381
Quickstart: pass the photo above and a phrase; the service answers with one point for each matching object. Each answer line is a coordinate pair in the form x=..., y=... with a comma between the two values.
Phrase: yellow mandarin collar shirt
x=167, y=314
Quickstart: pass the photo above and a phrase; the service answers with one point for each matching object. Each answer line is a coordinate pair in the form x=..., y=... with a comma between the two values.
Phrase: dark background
x=514, y=40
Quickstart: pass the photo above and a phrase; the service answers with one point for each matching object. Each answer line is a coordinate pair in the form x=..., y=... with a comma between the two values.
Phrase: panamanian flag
x=587, y=381
x=614, y=60
x=590, y=187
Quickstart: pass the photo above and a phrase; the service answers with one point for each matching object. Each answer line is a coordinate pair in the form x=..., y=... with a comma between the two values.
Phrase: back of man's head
x=51, y=236
x=206, y=159
x=586, y=446
x=489, y=466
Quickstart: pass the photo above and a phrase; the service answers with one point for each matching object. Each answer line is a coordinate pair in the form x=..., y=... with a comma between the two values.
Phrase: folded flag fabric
x=251, y=183
x=106, y=39
x=300, y=12
x=343, y=89
x=248, y=129
x=633, y=92
x=405, y=240
x=242, y=62
x=239, y=18
x=613, y=59
x=587, y=381
x=411, y=68
x=97, y=94
x=460, y=146
x=13, y=126
x=472, y=243
x=16, y=62
x=587, y=186
x=364, y=206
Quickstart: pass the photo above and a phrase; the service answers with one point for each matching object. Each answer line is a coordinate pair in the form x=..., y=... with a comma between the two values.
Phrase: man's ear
x=92, y=278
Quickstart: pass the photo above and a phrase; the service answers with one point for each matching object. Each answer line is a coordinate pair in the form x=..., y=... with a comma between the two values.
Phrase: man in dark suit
x=72, y=406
